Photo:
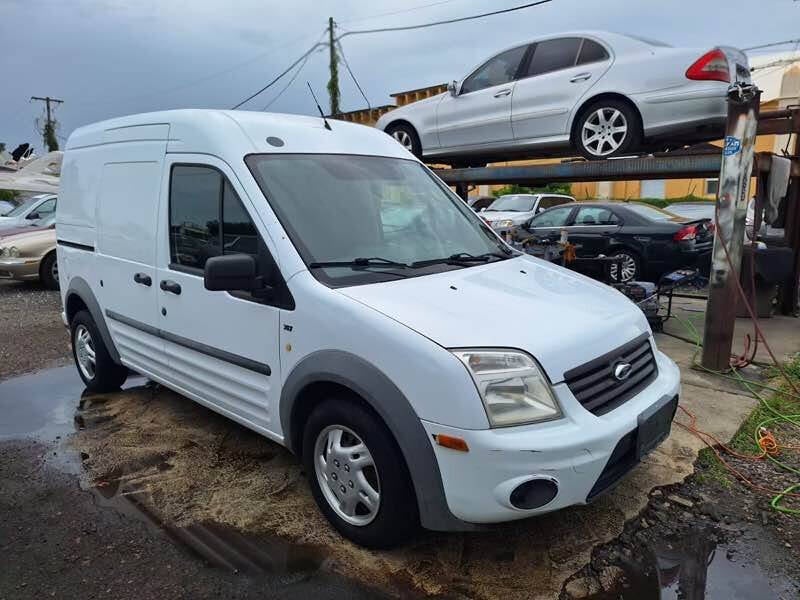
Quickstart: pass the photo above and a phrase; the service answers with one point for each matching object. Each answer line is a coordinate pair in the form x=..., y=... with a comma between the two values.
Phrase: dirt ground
x=32, y=335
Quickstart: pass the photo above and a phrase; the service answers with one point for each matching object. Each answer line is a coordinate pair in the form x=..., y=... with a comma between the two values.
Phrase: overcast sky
x=106, y=58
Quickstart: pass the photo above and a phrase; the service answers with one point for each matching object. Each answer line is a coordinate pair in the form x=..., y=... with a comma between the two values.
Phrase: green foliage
x=552, y=188
x=711, y=469
x=49, y=135
x=780, y=402
x=2, y=146
x=8, y=195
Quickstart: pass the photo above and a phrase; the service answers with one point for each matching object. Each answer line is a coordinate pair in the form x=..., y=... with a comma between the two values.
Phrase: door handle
x=143, y=279
x=581, y=77
x=502, y=93
x=170, y=286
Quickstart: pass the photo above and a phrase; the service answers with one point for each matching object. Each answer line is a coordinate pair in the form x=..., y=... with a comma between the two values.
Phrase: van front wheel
x=95, y=366
x=358, y=475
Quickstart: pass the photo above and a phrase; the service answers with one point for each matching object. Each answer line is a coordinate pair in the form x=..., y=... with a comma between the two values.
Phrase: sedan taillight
x=712, y=66
x=688, y=232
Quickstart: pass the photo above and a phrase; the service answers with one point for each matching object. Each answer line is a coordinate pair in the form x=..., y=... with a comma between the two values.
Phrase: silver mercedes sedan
x=598, y=93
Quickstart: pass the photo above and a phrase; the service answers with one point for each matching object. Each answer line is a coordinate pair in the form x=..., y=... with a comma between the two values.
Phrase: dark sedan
x=649, y=241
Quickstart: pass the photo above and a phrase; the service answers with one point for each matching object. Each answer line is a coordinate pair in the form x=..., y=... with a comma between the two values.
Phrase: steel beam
x=624, y=169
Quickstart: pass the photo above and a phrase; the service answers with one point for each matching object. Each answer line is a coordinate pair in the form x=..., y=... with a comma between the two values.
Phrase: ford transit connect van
x=323, y=288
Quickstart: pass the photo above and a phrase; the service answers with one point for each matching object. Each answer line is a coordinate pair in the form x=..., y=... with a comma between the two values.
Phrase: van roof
x=232, y=132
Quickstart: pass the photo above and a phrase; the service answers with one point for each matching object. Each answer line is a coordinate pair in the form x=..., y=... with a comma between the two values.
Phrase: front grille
x=596, y=387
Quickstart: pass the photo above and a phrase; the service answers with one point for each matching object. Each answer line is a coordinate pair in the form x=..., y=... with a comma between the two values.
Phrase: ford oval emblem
x=622, y=371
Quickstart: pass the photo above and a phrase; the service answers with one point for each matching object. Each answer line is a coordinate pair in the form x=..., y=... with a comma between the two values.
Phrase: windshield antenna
x=319, y=108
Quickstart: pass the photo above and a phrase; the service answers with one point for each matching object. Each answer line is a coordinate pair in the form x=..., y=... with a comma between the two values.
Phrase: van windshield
x=379, y=218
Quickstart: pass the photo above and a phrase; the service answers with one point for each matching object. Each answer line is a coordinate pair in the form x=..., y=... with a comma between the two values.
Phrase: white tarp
x=41, y=175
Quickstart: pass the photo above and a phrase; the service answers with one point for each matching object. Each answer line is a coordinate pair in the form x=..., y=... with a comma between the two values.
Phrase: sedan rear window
x=652, y=213
x=591, y=52
x=553, y=55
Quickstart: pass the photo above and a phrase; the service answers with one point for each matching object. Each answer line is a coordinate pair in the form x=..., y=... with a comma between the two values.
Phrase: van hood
x=561, y=318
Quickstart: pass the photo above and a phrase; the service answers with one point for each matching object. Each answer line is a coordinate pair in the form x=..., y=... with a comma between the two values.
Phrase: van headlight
x=513, y=388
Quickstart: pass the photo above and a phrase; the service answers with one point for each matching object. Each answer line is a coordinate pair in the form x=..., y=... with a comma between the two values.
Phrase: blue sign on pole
x=732, y=145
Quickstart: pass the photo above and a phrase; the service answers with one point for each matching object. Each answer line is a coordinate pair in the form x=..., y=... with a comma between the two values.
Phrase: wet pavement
x=108, y=534
x=59, y=538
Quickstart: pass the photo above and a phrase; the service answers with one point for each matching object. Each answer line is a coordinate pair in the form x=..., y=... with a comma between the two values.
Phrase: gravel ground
x=32, y=336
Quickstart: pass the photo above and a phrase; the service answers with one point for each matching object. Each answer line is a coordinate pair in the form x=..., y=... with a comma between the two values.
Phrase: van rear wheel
x=97, y=369
x=358, y=475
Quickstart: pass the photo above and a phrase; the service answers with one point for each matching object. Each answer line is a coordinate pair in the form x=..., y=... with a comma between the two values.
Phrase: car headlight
x=513, y=388
x=9, y=251
x=502, y=224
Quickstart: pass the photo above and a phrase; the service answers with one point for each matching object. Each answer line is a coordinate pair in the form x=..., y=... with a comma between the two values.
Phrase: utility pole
x=49, y=132
x=732, y=199
x=333, y=82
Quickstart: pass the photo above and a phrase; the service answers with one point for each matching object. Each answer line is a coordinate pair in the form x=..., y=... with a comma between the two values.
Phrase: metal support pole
x=462, y=189
x=732, y=199
x=789, y=300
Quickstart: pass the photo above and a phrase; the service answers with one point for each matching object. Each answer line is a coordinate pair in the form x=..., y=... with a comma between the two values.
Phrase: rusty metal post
x=462, y=189
x=732, y=199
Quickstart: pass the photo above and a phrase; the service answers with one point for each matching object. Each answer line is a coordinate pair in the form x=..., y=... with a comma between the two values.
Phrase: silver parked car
x=602, y=94
x=516, y=210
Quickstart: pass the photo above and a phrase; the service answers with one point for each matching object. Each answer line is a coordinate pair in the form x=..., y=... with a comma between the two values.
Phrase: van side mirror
x=230, y=273
x=452, y=87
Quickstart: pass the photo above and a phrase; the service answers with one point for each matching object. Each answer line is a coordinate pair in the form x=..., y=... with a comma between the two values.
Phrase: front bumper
x=573, y=451
x=19, y=268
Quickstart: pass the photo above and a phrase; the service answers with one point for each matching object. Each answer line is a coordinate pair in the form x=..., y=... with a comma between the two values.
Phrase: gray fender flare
x=78, y=287
x=375, y=388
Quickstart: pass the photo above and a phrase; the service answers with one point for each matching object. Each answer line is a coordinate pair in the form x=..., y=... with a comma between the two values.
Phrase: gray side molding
x=79, y=287
x=366, y=380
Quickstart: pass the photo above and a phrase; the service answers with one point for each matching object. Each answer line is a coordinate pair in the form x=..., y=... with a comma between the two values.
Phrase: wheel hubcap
x=628, y=266
x=604, y=131
x=84, y=351
x=404, y=139
x=347, y=475
x=54, y=270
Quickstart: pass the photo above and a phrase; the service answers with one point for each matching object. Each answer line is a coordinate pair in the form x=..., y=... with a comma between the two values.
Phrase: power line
x=286, y=87
x=284, y=72
x=347, y=66
x=396, y=12
x=445, y=22
x=772, y=45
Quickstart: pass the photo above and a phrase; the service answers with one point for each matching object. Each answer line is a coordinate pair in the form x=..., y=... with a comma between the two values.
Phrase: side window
x=591, y=52
x=496, y=71
x=553, y=55
x=47, y=207
x=557, y=217
x=194, y=215
x=551, y=201
x=595, y=215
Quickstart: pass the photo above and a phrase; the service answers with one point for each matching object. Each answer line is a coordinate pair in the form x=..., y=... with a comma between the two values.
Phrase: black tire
x=632, y=259
x=407, y=136
x=629, y=143
x=48, y=271
x=397, y=516
x=108, y=376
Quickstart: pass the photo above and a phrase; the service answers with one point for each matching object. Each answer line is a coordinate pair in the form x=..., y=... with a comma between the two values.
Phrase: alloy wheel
x=347, y=475
x=404, y=138
x=54, y=271
x=627, y=264
x=604, y=131
x=85, y=352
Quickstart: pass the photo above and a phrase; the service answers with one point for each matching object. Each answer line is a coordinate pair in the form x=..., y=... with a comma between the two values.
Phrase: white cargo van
x=325, y=289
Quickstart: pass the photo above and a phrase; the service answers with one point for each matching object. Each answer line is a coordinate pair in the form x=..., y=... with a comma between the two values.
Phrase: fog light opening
x=533, y=493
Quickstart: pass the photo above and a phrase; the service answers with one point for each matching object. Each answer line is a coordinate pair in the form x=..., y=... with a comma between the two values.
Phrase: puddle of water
x=49, y=405
x=40, y=405
x=696, y=569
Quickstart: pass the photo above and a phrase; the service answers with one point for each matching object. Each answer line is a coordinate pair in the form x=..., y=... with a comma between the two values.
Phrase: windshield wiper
x=460, y=259
x=360, y=262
